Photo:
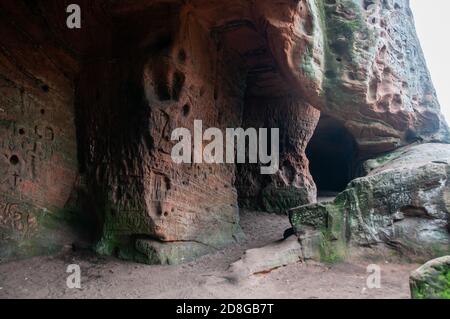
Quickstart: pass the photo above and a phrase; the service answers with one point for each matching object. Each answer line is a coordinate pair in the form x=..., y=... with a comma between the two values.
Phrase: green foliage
x=433, y=288
x=444, y=280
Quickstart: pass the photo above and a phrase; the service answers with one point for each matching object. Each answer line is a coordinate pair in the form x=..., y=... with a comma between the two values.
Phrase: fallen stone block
x=267, y=258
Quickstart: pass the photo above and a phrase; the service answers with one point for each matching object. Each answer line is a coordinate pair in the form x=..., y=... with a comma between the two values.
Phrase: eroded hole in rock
x=186, y=110
x=182, y=56
x=14, y=160
x=177, y=86
x=45, y=88
x=413, y=211
x=332, y=155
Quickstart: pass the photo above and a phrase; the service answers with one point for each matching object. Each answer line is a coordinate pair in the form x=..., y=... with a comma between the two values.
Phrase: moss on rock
x=402, y=203
x=432, y=280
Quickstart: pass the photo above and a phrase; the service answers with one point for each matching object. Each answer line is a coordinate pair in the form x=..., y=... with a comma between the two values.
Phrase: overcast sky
x=433, y=26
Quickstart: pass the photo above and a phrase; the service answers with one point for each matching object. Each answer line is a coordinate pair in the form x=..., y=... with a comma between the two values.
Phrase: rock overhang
x=141, y=68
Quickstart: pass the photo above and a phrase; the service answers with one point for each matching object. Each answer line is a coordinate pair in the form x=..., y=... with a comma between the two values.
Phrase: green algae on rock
x=403, y=203
x=432, y=280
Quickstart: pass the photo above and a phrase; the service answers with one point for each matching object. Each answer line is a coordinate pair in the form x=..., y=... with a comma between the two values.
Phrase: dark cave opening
x=332, y=154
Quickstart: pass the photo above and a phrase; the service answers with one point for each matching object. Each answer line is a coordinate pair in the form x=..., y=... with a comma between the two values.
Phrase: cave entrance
x=332, y=154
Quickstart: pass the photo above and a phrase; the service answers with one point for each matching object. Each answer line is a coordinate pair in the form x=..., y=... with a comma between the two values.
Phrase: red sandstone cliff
x=86, y=114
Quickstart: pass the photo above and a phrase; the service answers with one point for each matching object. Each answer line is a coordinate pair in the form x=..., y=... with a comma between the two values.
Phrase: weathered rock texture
x=403, y=201
x=376, y=78
x=86, y=115
x=266, y=259
x=432, y=280
x=38, y=163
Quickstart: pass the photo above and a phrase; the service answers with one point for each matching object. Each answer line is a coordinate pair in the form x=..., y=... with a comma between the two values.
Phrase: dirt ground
x=45, y=277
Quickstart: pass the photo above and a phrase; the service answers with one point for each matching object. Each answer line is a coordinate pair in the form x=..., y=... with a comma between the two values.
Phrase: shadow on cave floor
x=101, y=277
x=332, y=153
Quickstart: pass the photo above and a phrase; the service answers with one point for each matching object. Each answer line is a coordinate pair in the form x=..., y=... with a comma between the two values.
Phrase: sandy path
x=45, y=277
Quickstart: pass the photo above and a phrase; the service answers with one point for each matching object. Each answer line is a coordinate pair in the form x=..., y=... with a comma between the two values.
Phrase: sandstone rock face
x=432, y=280
x=140, y=191
x=403, y=201
x=196, y=62
x=38, y=162
x=292, y=185
x=375, y=79
x=86, y=116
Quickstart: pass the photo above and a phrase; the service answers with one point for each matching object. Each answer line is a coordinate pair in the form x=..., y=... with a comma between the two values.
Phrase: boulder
x=403, y=201
x=432, y=280
x=265, y=259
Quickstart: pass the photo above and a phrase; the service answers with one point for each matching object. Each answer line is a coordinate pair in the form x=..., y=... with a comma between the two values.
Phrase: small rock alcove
x=332, y=154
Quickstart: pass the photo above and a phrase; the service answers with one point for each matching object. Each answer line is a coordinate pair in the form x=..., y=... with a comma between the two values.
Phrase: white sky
x=433, y=28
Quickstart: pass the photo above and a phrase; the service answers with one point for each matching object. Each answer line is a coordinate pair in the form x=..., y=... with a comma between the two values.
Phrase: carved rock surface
x=86, y=115
x=38, y=160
